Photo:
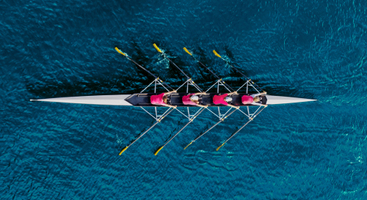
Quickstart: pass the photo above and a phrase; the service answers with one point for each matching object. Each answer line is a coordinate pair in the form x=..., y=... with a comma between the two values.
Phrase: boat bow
x=271, y=100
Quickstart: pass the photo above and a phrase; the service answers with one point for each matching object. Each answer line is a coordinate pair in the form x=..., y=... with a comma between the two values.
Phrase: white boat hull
x=111, y=100
x=120, y=100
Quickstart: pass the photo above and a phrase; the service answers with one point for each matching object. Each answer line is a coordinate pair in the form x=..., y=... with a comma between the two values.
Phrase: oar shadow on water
x=202, y=56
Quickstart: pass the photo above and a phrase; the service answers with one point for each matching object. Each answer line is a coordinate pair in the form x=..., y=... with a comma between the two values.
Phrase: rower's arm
x=235, y=92
x=259, y=94
x=233, y=106
x=258, y=104
x=198, y=93
x=167, y=105
x=202, y=106
x=174, y=91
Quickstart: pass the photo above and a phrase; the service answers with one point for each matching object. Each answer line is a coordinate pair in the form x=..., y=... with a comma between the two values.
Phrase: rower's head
x=194, y=98
x=228, y=99
x=165, y=99
x=257, y=99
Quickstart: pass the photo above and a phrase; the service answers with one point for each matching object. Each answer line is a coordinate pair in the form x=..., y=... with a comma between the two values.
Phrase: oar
x=210, y=128
x=191, y=120
x=124, y=54
x=242, y=127
x=141, y=135
x=165, y=56
x=160, y=51
x=188, y=52
x=215, y=53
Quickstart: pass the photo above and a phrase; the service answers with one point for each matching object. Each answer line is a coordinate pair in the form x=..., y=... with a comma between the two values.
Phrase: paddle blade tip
x=122, y=151
x=219, y=147
x=119, y=51
x=187, y=146
x=215, y=53
x=157, y=48
x=187, y=51
x=160, y=148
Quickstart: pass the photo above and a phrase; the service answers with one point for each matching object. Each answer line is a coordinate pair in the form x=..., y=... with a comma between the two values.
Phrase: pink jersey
x=246, y=99
x=157, y=99
x=219, y=99
x=186, y=100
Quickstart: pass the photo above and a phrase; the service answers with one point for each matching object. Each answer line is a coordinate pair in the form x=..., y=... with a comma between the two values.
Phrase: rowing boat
x=142, y=100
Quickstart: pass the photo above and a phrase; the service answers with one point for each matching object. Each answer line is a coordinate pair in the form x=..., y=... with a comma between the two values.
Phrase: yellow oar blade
x=160, y=148
x=220, y=146
x=188, y=145
x=118, y=50
x=122, y=151
x=215, y=53
x=156, y=47
x=187, y=51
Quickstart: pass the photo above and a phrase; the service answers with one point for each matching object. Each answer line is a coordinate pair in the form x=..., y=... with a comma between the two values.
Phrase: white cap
x=228, y=99
x=194, y=98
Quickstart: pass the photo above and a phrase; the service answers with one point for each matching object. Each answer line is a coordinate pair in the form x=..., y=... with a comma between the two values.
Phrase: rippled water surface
x=309, y=49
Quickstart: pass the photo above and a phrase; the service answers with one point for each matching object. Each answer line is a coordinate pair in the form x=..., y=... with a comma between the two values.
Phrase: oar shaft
x=208, y=69
x=141, y=135
x=220, y=121
x=160, y=119
x=141, y=67
x=216, y=76
x=210, y=128
x=235, y=68
x=184, y=127
x=177, y=67
x=237, y=131
x=177, y=133
x=165, y=56
x=244, y=75
x=188, y=52
x=160, y=51
x=241, y=128
x=160, y=148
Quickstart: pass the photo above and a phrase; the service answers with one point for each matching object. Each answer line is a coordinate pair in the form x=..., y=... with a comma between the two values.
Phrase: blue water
x=310, y=49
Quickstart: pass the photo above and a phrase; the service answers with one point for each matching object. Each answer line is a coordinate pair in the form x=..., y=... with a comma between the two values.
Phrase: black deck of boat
x=143, y=99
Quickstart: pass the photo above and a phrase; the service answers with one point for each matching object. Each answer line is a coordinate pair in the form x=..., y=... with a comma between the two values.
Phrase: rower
x=224, y=99
x=253, y=99
x=162, y=99
x=193, y=99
